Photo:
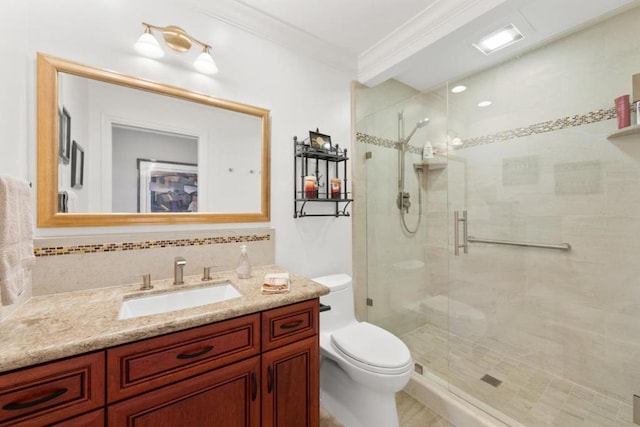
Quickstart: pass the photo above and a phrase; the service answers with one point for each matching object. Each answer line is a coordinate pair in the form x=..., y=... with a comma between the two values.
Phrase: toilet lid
x=372, y=346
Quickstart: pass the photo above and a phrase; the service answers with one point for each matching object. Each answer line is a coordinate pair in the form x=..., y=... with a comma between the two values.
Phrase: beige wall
x=78, y=263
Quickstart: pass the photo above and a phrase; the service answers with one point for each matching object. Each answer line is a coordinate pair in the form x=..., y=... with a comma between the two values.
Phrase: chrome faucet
x=178, y=270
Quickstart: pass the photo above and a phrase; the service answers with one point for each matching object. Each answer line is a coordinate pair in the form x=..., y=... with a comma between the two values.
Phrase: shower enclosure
x=519, y=289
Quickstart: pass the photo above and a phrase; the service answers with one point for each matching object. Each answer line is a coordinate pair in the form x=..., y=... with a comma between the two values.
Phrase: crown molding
x=263, y=25
x=439, y=19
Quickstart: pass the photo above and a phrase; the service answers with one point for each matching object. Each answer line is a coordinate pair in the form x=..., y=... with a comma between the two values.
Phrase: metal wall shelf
x=311, y=161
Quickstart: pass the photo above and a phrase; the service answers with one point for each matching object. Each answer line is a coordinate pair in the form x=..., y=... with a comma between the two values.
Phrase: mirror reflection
x=150, y=153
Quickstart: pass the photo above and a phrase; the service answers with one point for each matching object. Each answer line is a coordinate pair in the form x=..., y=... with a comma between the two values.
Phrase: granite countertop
x=54, y=326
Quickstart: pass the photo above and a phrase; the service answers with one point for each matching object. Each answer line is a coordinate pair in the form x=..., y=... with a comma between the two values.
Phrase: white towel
x=16, y=238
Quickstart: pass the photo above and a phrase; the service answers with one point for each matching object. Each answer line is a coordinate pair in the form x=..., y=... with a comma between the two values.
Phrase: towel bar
x=560, y=246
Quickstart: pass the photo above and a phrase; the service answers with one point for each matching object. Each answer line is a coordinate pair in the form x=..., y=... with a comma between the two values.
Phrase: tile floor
x=410, y=412
x=530, y=396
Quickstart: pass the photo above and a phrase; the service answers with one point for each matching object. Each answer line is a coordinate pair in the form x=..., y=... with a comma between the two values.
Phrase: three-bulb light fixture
x=177, y=39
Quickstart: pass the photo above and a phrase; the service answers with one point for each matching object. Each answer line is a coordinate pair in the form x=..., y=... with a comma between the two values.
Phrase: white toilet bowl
x=362, y=365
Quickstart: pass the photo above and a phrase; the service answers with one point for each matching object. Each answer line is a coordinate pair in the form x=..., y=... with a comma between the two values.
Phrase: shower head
x=422, y=123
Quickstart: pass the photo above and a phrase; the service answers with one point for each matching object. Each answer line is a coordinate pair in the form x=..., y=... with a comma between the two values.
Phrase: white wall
x=252, y=71
x=14, y=132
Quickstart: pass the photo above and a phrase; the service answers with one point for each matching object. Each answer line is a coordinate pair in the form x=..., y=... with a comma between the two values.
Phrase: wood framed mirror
x=122, y=122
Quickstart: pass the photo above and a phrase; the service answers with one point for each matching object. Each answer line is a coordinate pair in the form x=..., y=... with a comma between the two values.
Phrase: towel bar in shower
x=561, y=246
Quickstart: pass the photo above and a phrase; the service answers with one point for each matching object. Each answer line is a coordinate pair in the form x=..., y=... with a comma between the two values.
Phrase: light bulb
x=147, y=45
x=204, y=63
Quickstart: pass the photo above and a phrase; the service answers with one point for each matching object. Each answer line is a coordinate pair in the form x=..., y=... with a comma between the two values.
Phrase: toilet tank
x=340, y=299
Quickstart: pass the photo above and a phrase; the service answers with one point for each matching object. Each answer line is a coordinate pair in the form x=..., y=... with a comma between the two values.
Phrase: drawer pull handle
x=254, y=394
x=196, y=354
x=291, y=325
x=18, y=406
x=269, y=379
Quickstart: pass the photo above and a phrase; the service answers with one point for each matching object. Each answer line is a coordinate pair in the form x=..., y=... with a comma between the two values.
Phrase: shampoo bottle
x=243, y=271
x=427, y=151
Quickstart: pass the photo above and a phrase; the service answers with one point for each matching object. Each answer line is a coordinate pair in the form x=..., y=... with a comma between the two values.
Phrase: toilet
x=362, y=366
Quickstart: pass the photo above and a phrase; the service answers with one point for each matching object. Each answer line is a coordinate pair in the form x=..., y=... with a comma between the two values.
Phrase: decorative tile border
x=374, y=140
x=543, y=127
x=152, y=244
x=382, y=142
x=534, y=129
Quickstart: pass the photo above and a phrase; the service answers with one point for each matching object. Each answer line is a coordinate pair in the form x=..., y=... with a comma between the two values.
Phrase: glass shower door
x=406, y=259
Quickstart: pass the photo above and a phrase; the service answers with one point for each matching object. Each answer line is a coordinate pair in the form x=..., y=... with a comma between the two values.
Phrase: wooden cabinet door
x=290, y=385
x=225, y=397
x=92, y=419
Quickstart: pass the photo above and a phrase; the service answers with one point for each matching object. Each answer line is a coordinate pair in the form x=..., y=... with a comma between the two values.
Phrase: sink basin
x=173, y=300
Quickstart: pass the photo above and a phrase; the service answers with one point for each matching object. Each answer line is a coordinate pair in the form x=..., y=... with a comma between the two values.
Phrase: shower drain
x=491, y=380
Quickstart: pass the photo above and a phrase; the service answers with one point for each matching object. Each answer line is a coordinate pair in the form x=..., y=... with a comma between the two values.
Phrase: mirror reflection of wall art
x=167, y=186
x=63, y=202
x=64, y=135
x=77, y=165
x=320, y=141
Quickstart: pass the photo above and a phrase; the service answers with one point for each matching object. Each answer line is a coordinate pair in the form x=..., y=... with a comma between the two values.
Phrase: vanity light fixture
x=177, y=39
x=499, y=39
x=147, y=45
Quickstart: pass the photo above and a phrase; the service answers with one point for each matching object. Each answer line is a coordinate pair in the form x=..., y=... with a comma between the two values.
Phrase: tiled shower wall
x=537, y=167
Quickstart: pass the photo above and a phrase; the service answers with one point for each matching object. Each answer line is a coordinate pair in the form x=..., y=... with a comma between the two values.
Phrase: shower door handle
x=457, y=219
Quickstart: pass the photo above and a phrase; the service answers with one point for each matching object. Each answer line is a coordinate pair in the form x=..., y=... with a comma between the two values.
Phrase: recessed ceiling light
x=458, y=89
x=499, y=39
x=484, y=103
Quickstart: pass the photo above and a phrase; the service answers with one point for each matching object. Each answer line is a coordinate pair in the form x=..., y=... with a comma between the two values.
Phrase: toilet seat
x=372, y=348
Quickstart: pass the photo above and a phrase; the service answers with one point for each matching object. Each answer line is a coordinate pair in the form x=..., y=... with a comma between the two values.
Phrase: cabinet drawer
x=288, y=324
x=145, y=365
x=52, y=392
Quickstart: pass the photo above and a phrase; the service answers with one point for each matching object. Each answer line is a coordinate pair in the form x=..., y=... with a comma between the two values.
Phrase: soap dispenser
x=243, y=271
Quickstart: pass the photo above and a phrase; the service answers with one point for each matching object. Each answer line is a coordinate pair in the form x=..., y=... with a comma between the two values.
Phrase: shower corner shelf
x=310, y=161
x=439, y=162
x=629, y=130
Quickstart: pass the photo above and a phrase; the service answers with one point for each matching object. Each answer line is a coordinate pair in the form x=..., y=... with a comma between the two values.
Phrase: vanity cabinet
x=53, y=392
x=256, y=370
x=155, y=362
x=196, y=393
x=290, y=366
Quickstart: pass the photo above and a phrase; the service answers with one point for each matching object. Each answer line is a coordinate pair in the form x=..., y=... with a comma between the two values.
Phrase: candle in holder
x=310, y=187
x=336, y=186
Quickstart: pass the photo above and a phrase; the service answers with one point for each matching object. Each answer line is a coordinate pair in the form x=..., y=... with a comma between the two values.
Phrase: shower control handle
x=403, y=201
x=457, y=219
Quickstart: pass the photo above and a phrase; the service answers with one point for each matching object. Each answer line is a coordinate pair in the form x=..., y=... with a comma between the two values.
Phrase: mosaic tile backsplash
x=79, y=263
x=151, y=244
